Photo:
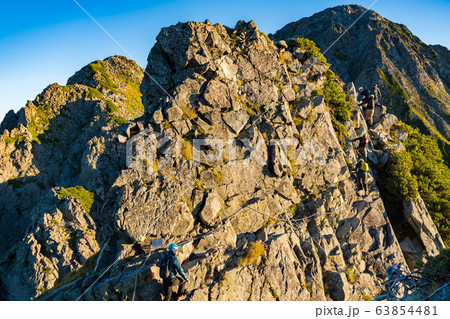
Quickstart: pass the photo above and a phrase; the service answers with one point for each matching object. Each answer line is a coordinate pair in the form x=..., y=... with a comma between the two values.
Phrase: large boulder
x=213, y=206
x=236, y=120
x=279, y=161
x=154, y=209
x=388, y=120
x=378, y=113
x=417, y=216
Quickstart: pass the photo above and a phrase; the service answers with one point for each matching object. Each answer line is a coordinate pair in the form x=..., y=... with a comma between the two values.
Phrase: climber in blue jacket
x=364, y=93
x=169, y=267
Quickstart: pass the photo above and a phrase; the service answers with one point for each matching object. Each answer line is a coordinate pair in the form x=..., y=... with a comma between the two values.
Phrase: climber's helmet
x=173, y=247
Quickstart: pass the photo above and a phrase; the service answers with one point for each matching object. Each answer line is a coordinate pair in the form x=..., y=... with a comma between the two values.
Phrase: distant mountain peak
x=414, y=78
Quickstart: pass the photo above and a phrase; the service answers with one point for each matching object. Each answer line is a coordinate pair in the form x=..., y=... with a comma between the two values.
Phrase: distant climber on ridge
x=377, y=93
x=362, y=170
x=369, y=108
x=363, y=145
x=364, y=93
x=169, y=267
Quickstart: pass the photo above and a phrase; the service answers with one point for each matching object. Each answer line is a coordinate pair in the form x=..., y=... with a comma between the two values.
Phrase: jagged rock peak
x=347, y=9
x=111, y=73
x=200, y=50
x=343, y=15
x=109, y=89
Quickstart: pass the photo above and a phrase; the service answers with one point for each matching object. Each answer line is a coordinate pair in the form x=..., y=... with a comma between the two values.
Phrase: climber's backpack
x=365, y=140
x=164, y=271
x=364, y=167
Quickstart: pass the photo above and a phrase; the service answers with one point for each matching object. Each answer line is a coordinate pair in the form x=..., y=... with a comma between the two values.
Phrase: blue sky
x=43, y=42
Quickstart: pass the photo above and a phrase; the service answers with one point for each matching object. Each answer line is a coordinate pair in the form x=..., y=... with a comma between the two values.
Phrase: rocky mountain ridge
x=413, y=76
x=258, y=189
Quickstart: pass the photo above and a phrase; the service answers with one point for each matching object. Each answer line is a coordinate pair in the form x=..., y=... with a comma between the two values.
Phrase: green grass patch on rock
x=342, y=105
x=133, y=96
x=401, y=182
x=94, y=93
x=85, y=197
x=20, y=182
x=111, y=107
x=187, y=150
x=255, y=250
x=119, y=120
x=103, y=78
x=311, y=49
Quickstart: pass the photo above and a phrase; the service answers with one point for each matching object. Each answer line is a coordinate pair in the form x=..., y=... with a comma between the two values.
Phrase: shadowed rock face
x=62, y=138
x=60, y=240
x=413, y=77
x=275, y=214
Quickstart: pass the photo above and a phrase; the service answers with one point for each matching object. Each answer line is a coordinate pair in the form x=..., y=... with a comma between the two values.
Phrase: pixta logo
x=150, y=151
